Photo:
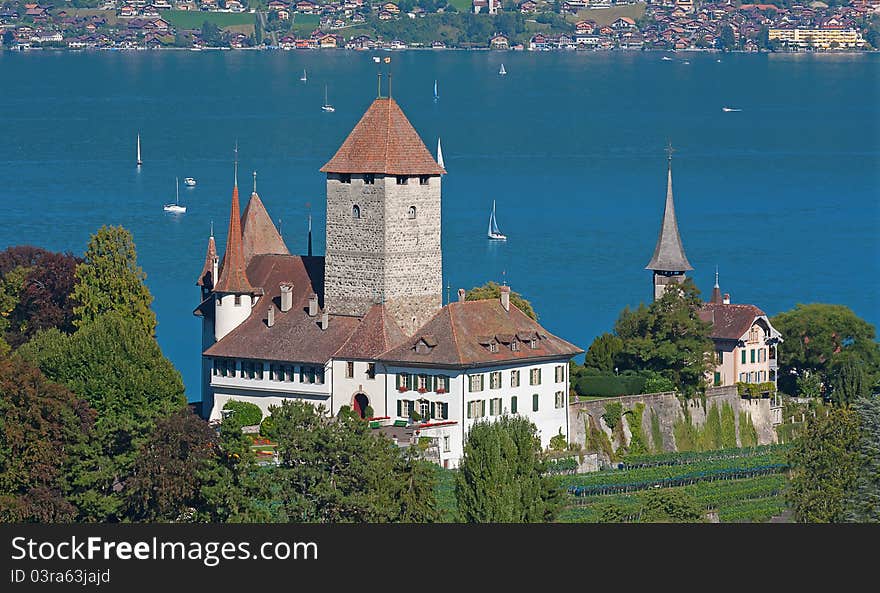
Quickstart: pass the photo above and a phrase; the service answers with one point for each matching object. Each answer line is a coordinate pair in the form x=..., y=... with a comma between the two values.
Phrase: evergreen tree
x=849, y=381
x=825, y=464
x=500, y=478
x=863, y=502
x=602, y=352
x=109, y=279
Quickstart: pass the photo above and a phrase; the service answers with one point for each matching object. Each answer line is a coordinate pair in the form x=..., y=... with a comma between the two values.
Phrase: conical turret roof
x=669, y=253
x=233, y=277
x=259, y=234
x=383, y=141
x=206, y=278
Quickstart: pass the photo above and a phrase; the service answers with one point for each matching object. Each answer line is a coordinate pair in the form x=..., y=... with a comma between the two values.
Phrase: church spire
x=207, y=277
x=233, y=276
x=716, y=290
x=669, y=253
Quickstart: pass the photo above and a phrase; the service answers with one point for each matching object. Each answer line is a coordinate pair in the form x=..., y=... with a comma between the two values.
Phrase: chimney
x=505, y=297
x=460, y=295
x=325, y=320
x=286, y=297
x=270, y=319
x=313, y=305
x=726, y=299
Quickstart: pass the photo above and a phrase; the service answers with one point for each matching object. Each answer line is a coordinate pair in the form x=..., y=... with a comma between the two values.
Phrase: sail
x=493, y=225
x=139, y=150
x=435, y=90
x=440, y=154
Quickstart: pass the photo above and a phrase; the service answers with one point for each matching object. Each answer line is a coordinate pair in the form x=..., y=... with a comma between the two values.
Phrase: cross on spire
x=669, y=150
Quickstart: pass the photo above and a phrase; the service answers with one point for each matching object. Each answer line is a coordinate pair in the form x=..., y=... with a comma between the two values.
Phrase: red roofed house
x=364, y=325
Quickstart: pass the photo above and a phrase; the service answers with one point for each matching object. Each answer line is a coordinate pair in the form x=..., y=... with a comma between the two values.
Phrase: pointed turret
x=233, y=275
x=716, y=290
x=669, y=262
x=259, y=235
x=208, y=275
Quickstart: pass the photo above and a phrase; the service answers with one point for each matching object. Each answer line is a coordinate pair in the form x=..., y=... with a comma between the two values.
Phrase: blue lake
x=784, y=196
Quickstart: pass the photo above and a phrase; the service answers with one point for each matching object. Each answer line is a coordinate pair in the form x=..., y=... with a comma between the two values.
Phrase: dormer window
x=402, y=180
x=411, y=213
x=369, y=179
x=237, y=301
x=345, y=177
x=514, y=345
x=355, y=211
x=533, y=344
x=424, y=345
x=493, y=346
x=423, y=179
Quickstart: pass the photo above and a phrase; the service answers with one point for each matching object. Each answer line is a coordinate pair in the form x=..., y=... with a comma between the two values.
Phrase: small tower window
x=345, y=177
x=238, y=300
x=402, y=180
x=411, y=213
x=423, y=179
x=355, y=211
x=369, y=179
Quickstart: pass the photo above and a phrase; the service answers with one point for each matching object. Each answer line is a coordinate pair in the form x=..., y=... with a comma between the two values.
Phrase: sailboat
x=327, y=106
x=303, y=78
x=436, y=96
x=440, y=154
x=494, y=231
x=139, y=161
x=502, y=72
x=175, y=207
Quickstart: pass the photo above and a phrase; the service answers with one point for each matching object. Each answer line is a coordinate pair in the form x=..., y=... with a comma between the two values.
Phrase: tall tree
x=109, y=279
x=863, y=502
x=166, y=481
x=602, y=352
x=825, y=465
x=492, y=290
x=43, y=427
x=120, y=371
x=668, y=337
x=849, y=380
x=500, y=478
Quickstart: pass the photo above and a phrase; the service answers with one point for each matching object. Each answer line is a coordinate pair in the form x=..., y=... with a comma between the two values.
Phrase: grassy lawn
x=306, y=23
x=606, y=16
x=463, y=5
x=108, y=15
x=186, y=19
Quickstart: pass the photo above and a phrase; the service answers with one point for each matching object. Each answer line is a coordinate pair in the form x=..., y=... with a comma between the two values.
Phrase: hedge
x=610, y=385
x=247, y=413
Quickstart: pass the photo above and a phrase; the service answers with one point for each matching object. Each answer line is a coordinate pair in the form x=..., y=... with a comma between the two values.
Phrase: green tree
x=670, y=505
x=337, y=470
x=109, y=279
x=849, y=381
x=211, y=34
x=492, y=290
x=809, y=384
x=602, y=352
x=817, y=335
x=668, y=337
x=825, y=462
x=726, y=40
x=728, y=427
x=863, y=503
x=500, y=478
x=43, y=428
x=248, y=414
x=119, y=369
x=8, y=38
x=166, y=481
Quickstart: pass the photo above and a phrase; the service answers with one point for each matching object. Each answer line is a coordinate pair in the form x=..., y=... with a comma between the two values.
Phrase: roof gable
x=258, y=233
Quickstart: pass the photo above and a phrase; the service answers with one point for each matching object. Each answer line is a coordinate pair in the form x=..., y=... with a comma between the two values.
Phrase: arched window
x=411, y=213
x=356, y=211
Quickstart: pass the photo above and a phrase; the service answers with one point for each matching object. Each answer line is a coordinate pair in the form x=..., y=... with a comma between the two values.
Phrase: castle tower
x=233, y=294
x=383, y=221
x=669, y=262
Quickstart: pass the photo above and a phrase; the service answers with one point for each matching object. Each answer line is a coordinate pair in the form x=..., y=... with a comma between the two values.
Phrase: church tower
x=383, y=221
x=669, y=263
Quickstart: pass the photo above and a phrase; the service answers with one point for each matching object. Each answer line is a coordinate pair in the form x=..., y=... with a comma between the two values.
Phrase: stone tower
x=383, y=221
x=669, y=263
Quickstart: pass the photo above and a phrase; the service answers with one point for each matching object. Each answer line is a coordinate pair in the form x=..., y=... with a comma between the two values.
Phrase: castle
x=364, y=326
x=745, y=341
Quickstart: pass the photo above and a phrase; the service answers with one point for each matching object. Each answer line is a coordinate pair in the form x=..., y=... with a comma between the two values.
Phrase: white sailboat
x=502, y=72
x=494, y=232
x=139, y=161
x=304, y=78
x=436, y=96
x=327, y=106
x=175, y=207
x=440, y=154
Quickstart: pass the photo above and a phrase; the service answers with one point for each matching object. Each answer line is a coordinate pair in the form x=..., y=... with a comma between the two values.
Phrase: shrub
x=748, y=435
x=558, y=443
x=613, y=412
x=267, y=427
x=728, y=427
x=246, y=413
x=656, y=435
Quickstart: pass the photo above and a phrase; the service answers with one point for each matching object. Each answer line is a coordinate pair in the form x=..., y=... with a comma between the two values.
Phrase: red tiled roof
x=377, y=333
x=383, y=141
x=233, y=277
x=205, y=278
x=460, y=333
x=294, y=337
x=258, y=233
x=729, y=322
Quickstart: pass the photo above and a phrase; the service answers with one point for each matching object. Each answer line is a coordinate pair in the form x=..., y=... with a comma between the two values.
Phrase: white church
x=364, y=326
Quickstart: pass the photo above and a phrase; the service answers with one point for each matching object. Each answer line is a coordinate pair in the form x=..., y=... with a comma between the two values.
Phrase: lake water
x=783, y=196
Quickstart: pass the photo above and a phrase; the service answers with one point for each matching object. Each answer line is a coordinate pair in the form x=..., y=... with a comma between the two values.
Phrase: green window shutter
x=399, y=408
x=409, y=380
x=513, y=405
x=445, y=411
x=469, y=410
x=535, y=402
x=433, y=409
x=753, y=355
x=482, y=407
x=430, y=382
x=743, y=356
x=399, y=380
